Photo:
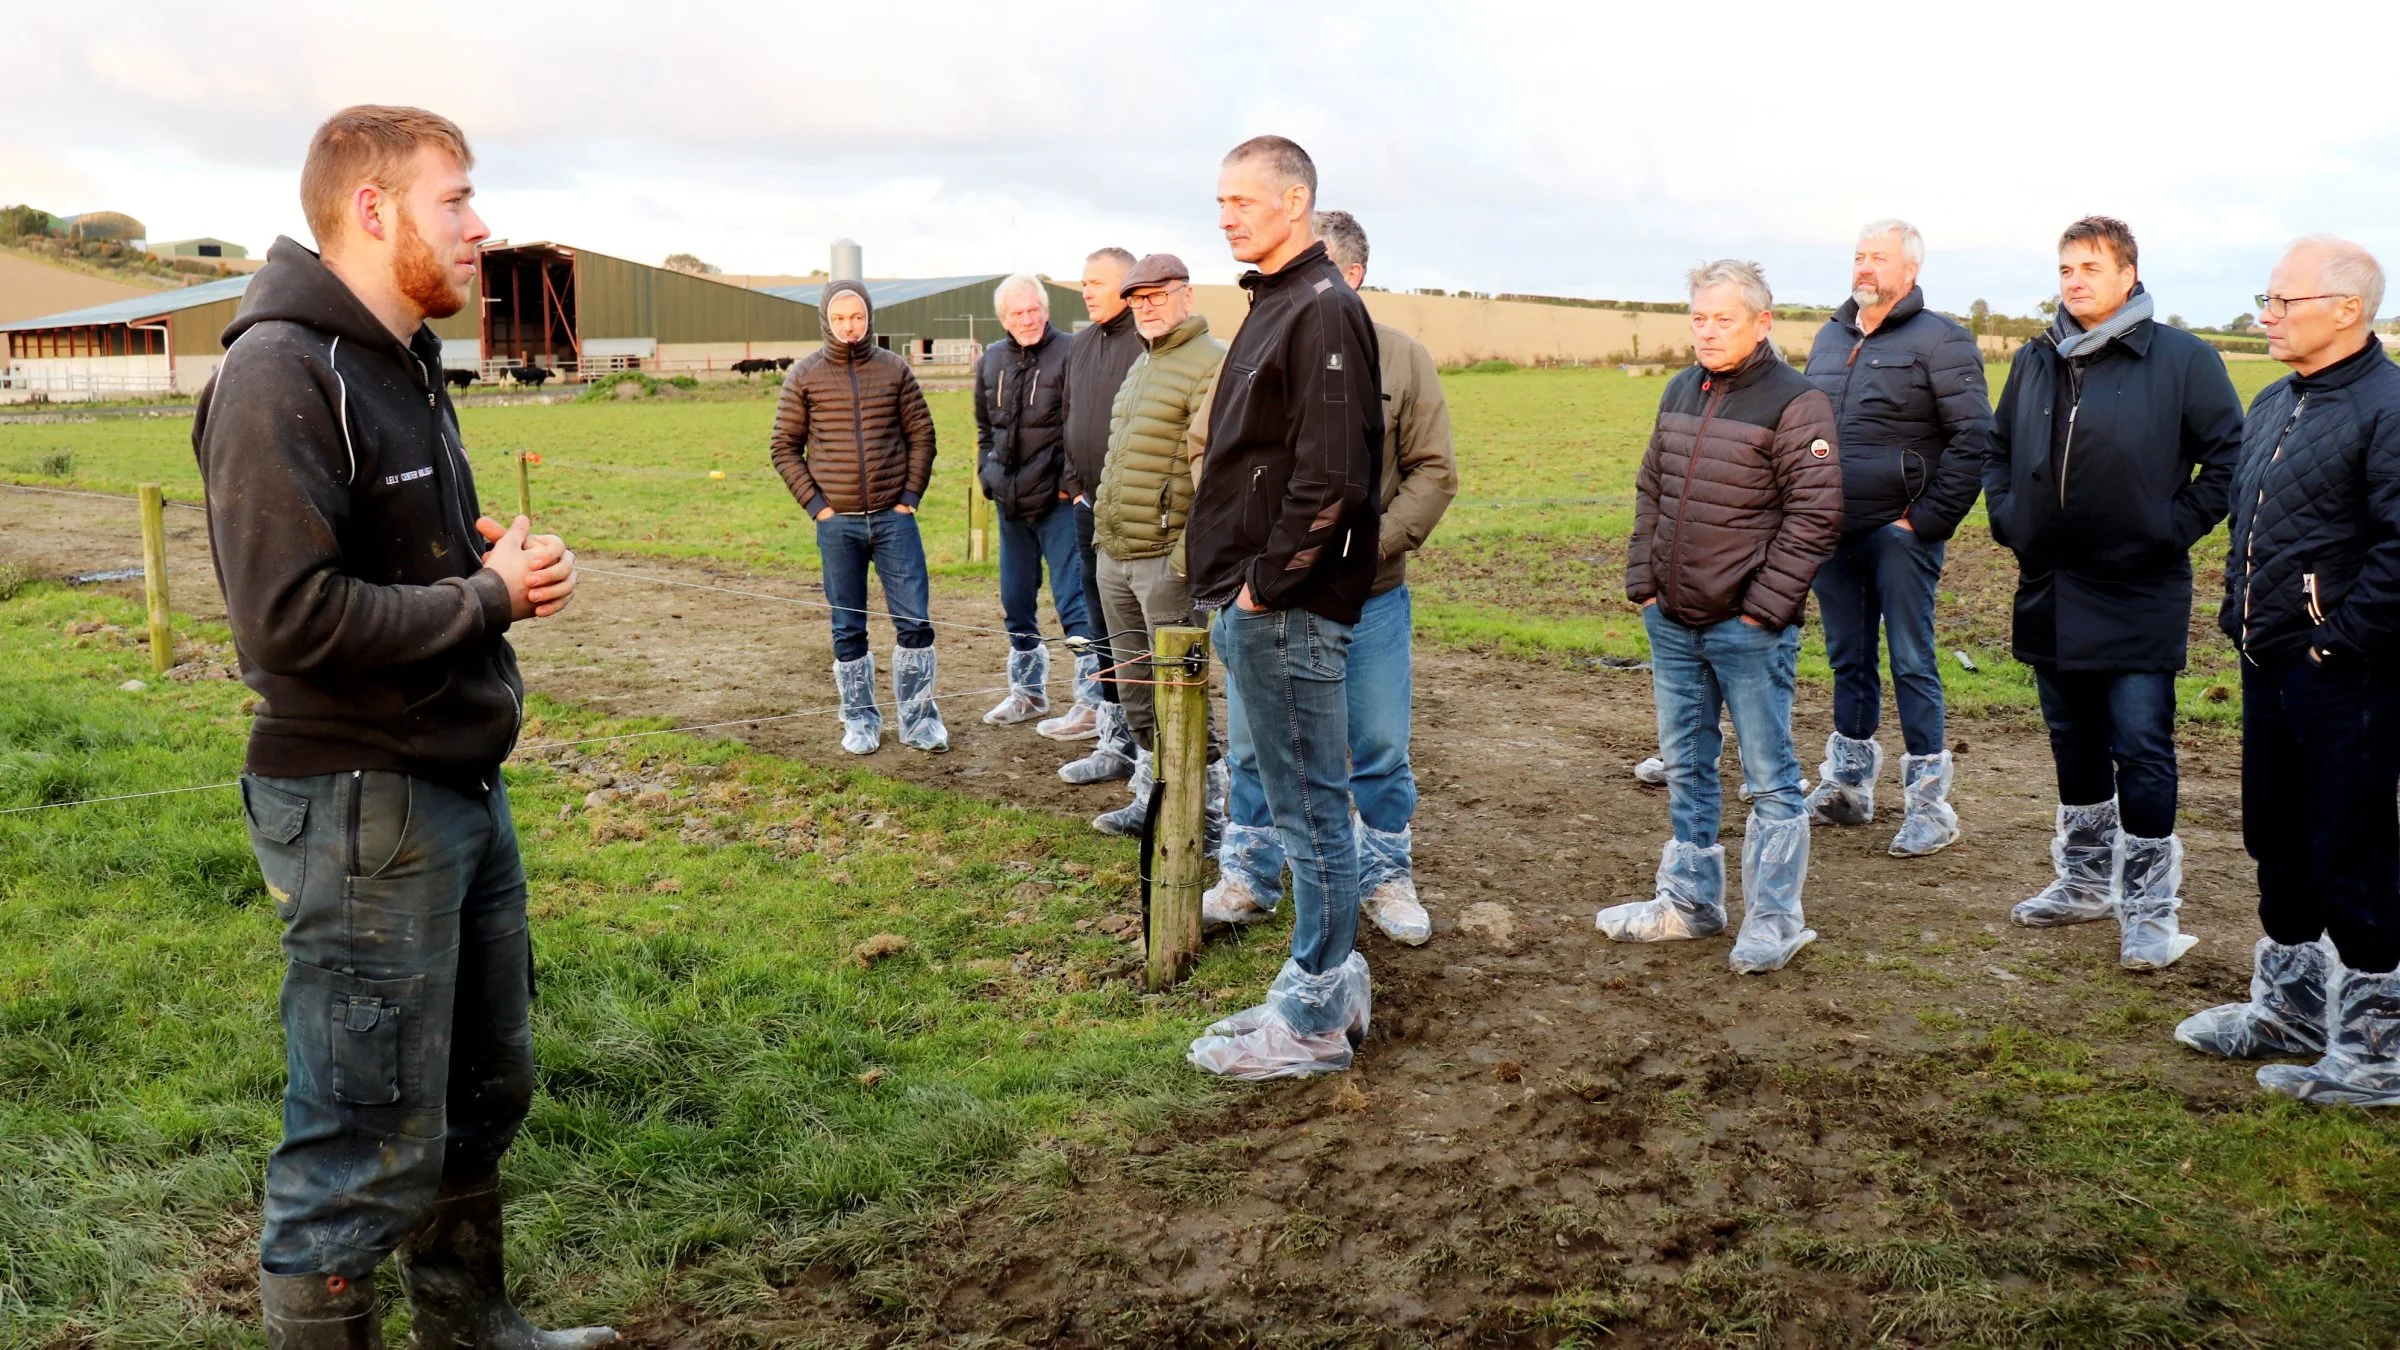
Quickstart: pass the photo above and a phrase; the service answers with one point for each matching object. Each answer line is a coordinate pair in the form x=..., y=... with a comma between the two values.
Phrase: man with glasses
x=2312, y=599
x=1141, y=503
x=2101, y=499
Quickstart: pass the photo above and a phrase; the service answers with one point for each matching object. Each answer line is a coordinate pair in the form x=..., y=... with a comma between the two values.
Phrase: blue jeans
x=846, y=546
x=2112, y=734
x=1884, y=577
x=1086, y=551
x=407, y=990
x=1025, y=545
x=1382, y=786
x=1287, y=668
x=1696, y=675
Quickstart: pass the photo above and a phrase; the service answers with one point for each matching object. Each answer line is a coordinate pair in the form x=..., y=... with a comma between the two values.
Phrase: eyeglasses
x=2276, y=306
x=1154, y=299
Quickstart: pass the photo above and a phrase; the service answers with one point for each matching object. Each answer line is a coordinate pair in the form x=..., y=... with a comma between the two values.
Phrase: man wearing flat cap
x=1145, y=493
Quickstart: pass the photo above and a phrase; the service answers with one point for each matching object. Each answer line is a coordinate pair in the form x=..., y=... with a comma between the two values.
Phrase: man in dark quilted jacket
x=2312, y=598
x=1738, y=502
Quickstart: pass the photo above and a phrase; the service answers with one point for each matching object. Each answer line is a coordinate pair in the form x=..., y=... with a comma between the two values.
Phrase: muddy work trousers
x=407, y=987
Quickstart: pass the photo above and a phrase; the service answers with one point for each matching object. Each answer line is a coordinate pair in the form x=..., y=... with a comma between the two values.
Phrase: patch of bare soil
x=1547, y=1134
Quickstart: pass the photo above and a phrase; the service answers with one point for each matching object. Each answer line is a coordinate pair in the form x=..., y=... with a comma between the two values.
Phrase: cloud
x=1572, y=149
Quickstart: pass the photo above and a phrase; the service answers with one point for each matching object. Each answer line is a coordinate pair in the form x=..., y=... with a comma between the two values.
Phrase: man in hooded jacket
x=853, y=440
x=2112, y=451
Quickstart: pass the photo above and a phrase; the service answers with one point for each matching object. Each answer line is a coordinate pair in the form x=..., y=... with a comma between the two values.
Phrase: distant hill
x=30, y=288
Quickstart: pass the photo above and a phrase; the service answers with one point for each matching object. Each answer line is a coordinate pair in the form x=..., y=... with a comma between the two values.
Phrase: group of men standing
x=2118, y=445
x=1157, y=477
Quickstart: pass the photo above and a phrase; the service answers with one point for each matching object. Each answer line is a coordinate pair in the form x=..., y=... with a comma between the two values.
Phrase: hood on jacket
x=297, y=287
x=835, y=348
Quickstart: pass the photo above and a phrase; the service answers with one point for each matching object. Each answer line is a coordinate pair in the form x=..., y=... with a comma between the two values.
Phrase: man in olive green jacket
x=1144, y=495
x=1420, y=476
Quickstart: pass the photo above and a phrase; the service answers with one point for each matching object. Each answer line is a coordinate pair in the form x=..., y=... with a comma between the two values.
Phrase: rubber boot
x=1689, y=900
x=913, y=671
x=1774, y=871
x=1387, y=885
x=1249, y=878
x=1309, y=1024
x=2361, y=1066
x=1028, y=688
x=1847, y=794
x=1111, y=759
x=2149, y=873
x=1126, y=820
x=457, y=1295
x=320, y=1312
x=1931, y=824
x=1082, y=721
x=862, y=721
x=2083, y=851
x=2285, y=1014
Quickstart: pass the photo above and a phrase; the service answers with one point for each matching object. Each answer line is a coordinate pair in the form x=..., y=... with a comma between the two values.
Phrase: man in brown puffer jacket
x=1738, y=501
x=853, y=440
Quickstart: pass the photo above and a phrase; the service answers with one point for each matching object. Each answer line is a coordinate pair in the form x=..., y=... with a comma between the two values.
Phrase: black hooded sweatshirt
x=342, y=516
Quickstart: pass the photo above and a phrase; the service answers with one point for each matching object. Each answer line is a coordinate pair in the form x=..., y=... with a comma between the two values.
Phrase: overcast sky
x=1563, y=149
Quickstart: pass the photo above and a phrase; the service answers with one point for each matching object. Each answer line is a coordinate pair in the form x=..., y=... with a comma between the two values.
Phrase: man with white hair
x=1912, y=418
x=1737, y=503
x=2312, y=599
x=1021, y=462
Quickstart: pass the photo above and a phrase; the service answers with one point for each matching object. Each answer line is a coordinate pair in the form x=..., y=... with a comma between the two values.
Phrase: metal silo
x=849, y=262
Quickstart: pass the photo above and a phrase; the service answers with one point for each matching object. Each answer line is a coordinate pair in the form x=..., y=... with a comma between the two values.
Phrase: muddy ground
x=1546, y=1133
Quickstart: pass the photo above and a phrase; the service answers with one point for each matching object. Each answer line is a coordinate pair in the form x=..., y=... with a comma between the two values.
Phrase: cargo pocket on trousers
x=370, y=1055
x=278, y=821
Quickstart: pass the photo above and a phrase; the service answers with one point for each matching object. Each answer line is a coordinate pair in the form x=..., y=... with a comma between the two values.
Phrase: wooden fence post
x=154, y=578
x=1178, y=863
x=524, y=485
x=976, y=544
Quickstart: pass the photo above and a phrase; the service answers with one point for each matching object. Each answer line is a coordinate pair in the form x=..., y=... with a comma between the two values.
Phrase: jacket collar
x=1049, y=335
x=1766, y=355
x=1192, y=327
x=1120, y=325
x=1255, y=281
x=2347, y=370
x=1909, y=307
x=297, y=287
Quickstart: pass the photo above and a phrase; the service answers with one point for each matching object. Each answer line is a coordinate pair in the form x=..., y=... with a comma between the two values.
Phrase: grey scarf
x=2076, y=340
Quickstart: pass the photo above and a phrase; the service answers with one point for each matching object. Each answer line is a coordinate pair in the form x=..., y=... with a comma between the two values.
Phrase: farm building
x=570, y=310
x=912, y=315
x=198, y=248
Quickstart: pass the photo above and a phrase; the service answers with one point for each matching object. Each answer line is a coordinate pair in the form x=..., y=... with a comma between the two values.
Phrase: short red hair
x=369, y=143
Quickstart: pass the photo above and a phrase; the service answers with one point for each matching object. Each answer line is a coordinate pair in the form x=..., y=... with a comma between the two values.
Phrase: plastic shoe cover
x=1249, y=877
x=1111, y=760
x=1126, y=820
x=862, y=721
x=921, y=728
x=1270, y=1041
x=1689, y=903
x=1212, y=806
x=2361, y=1066
x=1774, y=867
x=1028, y=693
x=2149, y=873
x=1931, y=825
x=2285, y=1014
x=2082, y=850
x=1387, y=885
x=1651, y=772
x=1080, y=722
x=1847, y=796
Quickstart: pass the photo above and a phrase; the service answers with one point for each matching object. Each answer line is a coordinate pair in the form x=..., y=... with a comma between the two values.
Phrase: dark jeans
x=2320, y=784
x=2112, y=734
x=1290, y=668
x=887, y=540
x=406, y=992
x=1025, y=546
x=1092, y=609
x=1883, y=578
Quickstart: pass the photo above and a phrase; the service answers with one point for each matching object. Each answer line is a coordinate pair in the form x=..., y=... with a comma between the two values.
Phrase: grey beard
x=1866, y=296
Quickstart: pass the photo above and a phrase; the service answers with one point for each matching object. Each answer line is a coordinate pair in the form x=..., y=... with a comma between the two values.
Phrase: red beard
x=422, y=278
